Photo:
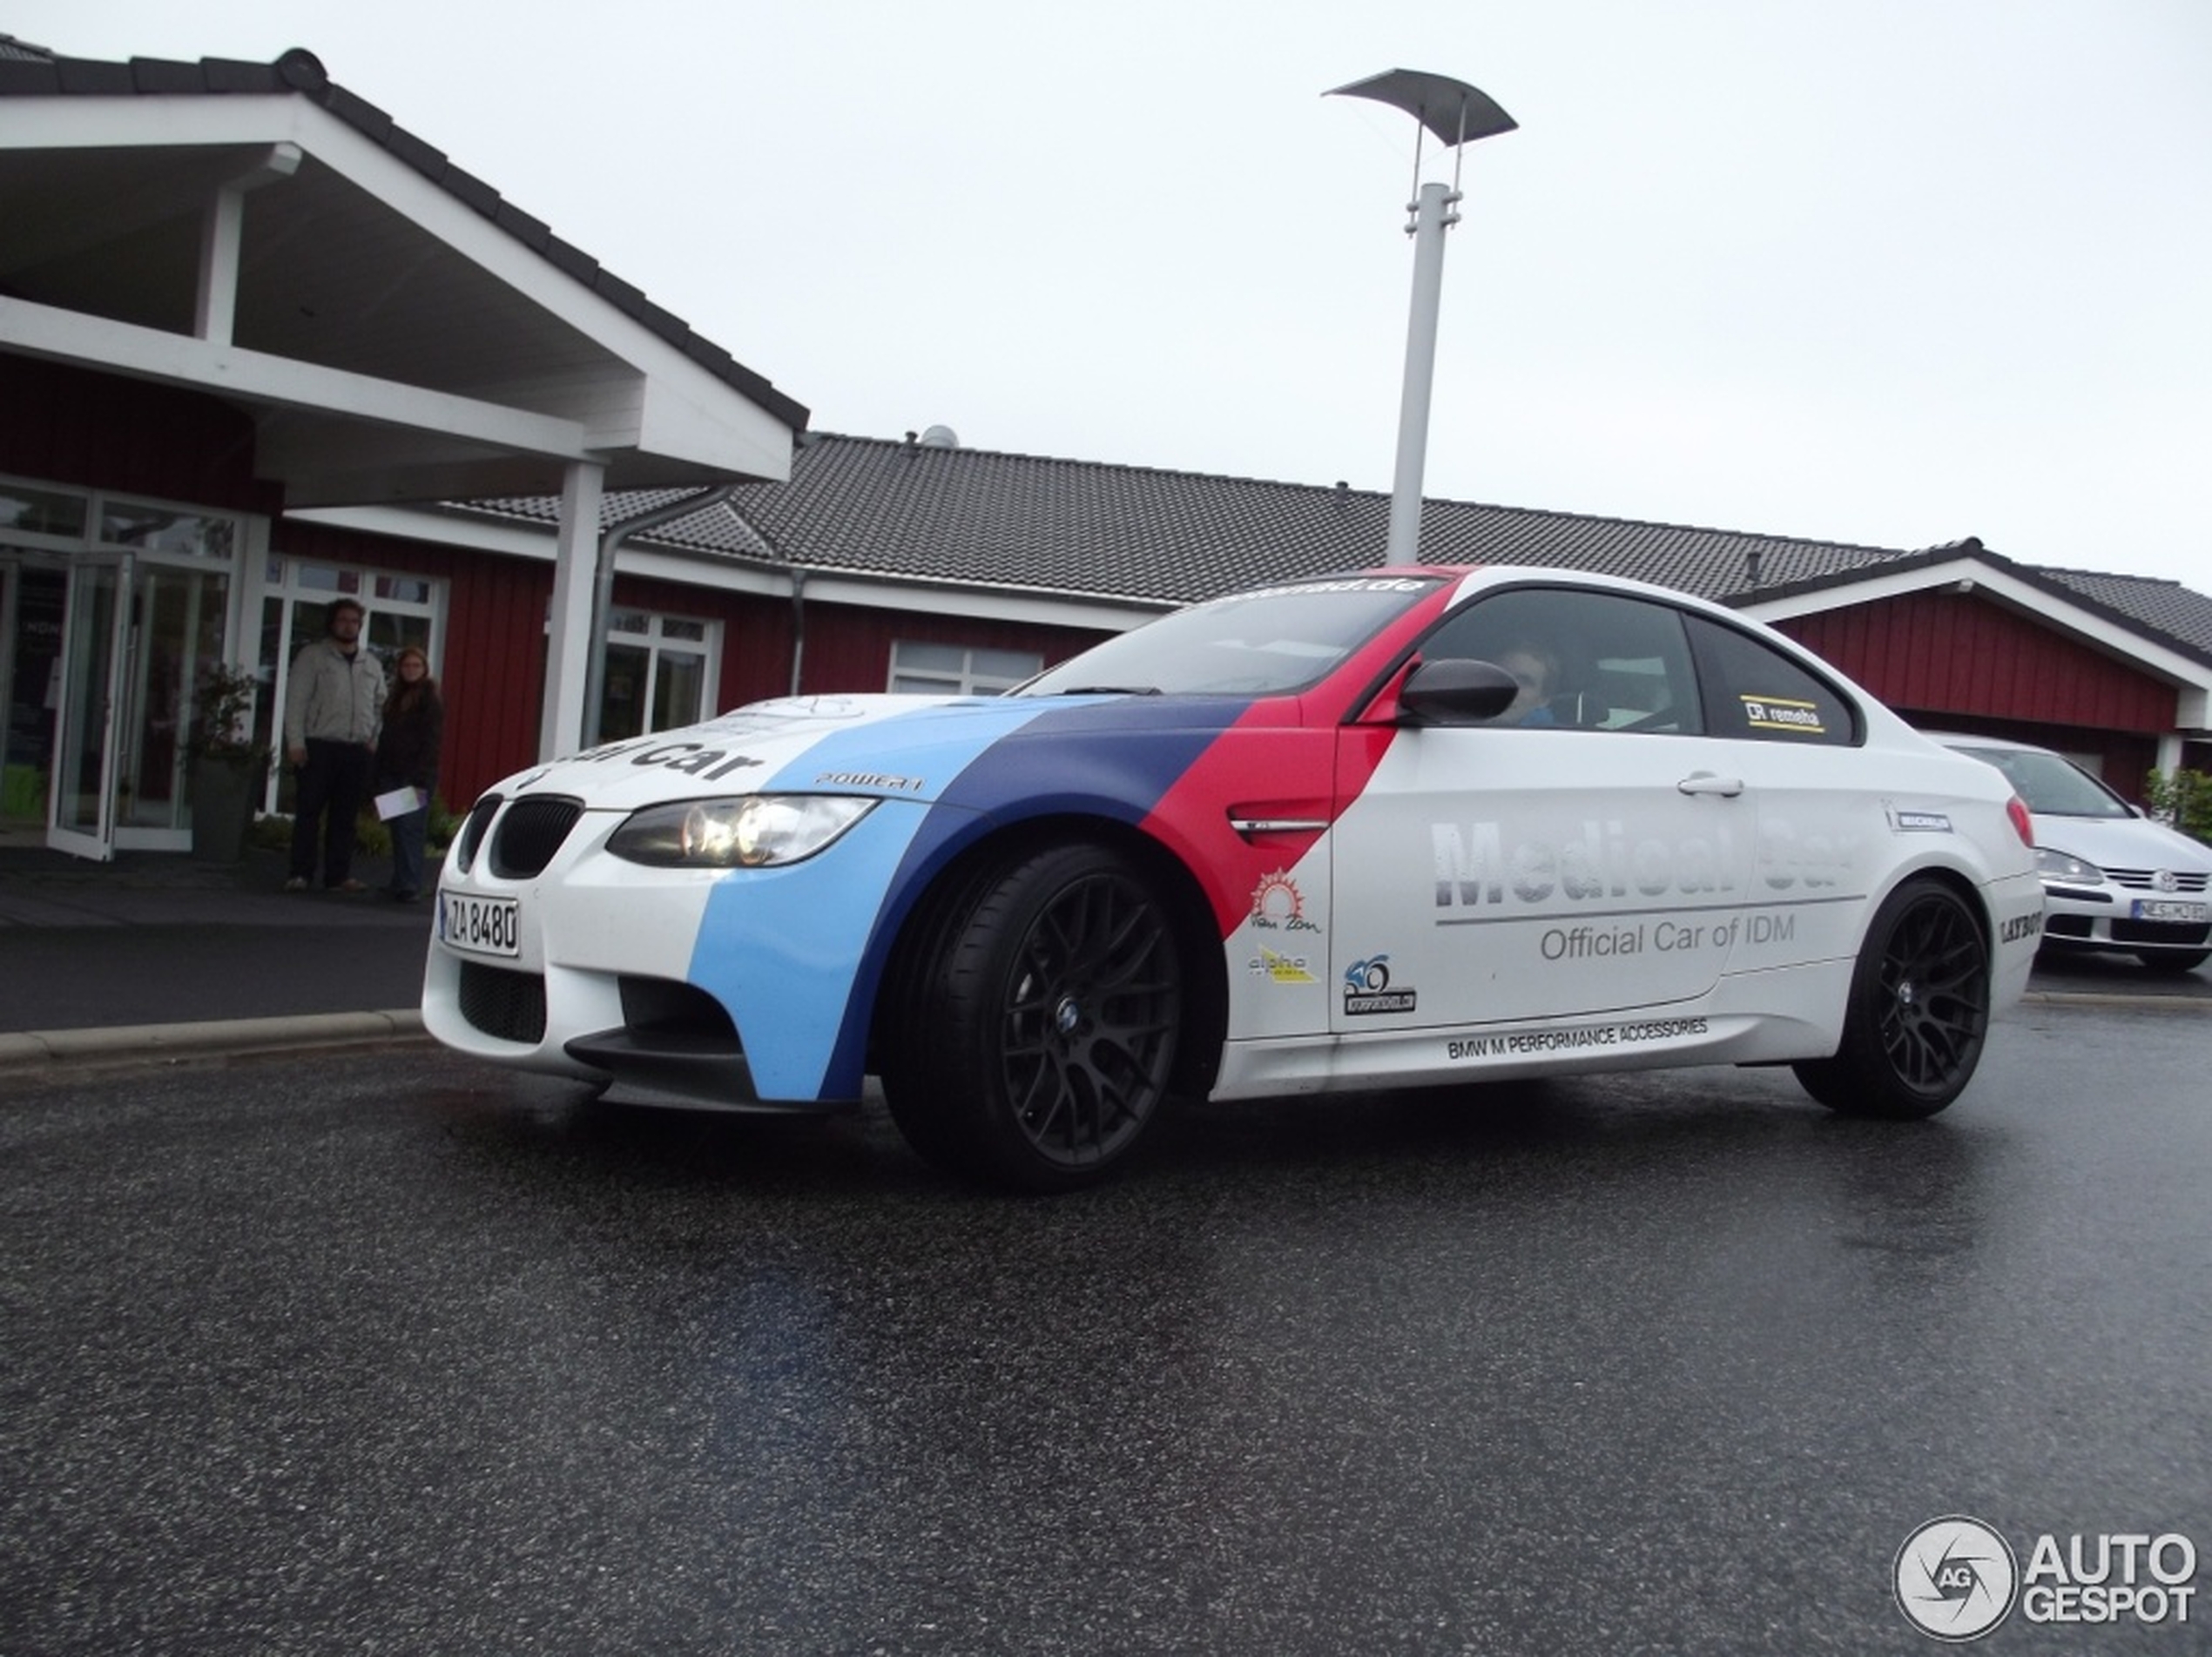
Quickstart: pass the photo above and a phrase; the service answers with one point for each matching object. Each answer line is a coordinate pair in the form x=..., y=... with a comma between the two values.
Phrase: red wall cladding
x=67, y=426
x=1957, y=653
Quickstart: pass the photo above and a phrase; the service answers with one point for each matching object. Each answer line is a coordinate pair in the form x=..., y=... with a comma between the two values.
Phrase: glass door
x=95, y=660
x=33, y=592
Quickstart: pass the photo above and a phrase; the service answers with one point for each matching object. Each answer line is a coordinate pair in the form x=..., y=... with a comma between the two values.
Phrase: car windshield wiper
x=1111, y=690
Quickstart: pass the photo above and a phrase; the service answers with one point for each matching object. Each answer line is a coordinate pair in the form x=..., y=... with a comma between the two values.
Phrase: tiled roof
x=1138, y=535
x=27, y=70
x=876, y=508
x=2180, y=613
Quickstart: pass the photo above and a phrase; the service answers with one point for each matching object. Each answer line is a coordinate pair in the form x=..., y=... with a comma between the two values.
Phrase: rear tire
x=1918, y=1012
x=1036, y=1020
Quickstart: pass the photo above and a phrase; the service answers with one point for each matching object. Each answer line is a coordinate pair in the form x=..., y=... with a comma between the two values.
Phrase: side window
x=1587, y=661
x=1753, y=689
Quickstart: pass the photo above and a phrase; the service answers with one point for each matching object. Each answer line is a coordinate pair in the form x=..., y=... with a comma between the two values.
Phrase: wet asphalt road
x=419, y=1357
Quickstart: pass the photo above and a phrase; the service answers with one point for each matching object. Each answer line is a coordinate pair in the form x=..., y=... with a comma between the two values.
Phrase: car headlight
x=2064, y=869
x=751, y=832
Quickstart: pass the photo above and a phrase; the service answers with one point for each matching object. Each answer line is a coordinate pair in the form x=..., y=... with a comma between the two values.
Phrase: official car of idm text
x=1409, y=825
x=2114, y=880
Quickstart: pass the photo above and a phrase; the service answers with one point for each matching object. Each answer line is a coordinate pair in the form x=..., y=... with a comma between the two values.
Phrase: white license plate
x=481, y=925
x=2171, y=909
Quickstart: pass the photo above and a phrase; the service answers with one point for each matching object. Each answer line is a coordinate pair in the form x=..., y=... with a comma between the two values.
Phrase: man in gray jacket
x=333, y=706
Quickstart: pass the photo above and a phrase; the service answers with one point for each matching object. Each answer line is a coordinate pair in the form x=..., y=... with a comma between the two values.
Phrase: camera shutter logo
x=1955, y=1578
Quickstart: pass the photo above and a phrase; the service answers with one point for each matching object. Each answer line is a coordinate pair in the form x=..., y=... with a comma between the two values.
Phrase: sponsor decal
x=1367, y=989
x=2020, y=926
x=1782, y=713
x=1278, y=905
x=1350, y=584
x=1281, y=969
x=1955, y=1578
x=1920, y=822
x=868, y=779
x=691, y=758
x=1577, y=1038
x=1477, y=867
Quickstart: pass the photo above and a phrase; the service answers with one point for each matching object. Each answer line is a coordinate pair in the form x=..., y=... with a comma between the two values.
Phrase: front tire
x=1037, y=1020
x=1918, y=1010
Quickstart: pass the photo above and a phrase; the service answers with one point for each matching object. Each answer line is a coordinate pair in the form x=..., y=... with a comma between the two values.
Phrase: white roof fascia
x=687, y=413
x=1965, y=573
x=439, y=528
x=177, y=358
x=726, y=572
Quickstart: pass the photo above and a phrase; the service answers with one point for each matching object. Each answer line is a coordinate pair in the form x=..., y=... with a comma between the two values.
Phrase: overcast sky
x=1888, y=272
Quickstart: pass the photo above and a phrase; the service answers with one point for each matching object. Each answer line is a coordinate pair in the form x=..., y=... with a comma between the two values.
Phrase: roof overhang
x=1998, y=583
x=395, y=335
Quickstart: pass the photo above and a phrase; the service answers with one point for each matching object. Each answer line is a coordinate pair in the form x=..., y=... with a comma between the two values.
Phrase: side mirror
x=1454, y=691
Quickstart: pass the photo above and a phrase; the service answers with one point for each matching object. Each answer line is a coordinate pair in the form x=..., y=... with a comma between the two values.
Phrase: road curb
x=209, y=1038
x=2118, y=998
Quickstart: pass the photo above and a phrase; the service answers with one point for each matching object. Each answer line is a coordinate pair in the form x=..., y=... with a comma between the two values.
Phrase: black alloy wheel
x=1918, y=1010
x=1041, y=1019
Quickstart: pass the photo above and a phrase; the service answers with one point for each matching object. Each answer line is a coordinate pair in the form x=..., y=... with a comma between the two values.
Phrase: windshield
x=1258, y=644
x=2051, y=787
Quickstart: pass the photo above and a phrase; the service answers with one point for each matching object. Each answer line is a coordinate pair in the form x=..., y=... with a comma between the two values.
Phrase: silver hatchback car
x=2113, y=878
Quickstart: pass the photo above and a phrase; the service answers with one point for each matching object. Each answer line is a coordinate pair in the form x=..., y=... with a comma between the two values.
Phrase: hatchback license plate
x=2170, y=909
x=481, y=925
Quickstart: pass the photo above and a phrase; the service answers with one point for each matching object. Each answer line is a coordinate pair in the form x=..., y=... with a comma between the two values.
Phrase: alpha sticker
x=1281, y=969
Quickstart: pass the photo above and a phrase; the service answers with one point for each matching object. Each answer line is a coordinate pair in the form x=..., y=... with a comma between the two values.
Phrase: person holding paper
x=407, y=765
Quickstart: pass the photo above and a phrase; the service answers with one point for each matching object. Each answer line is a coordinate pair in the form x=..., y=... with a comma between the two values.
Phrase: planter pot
x=223, y=797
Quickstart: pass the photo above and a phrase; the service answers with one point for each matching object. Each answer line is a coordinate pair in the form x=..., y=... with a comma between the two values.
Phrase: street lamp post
x=1457, y=114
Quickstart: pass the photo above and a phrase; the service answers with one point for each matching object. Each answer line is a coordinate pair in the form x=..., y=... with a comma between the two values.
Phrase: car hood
x=2122, y=842
x=901, y=747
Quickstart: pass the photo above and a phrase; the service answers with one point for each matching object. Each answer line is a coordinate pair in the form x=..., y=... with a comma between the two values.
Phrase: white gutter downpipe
x=602, y=591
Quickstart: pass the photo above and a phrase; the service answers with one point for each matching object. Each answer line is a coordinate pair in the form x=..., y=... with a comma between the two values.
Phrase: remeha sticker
x=1781, y=713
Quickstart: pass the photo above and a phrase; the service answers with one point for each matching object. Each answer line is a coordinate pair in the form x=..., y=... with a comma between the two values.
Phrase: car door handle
x=1704, y=782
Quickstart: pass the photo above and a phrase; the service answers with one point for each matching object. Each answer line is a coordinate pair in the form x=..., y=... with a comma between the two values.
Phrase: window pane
x=629, y=621
x=1004, y=667
x=679, y=689
x=158, y=529
x=40, y=511
x=682, y=627
x=911, y=656
x=622, y=700
x=1752, y=690
x=406, y=589
x=1585, y=661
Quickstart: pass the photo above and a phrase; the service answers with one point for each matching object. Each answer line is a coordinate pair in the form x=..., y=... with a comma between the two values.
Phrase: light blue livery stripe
x=780, y=947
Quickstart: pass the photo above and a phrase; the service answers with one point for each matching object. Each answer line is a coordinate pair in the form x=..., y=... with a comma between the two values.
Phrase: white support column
x=222, y=235
x=568, y=637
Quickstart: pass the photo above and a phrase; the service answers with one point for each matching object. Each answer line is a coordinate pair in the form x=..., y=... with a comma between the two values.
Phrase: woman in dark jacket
x=406, y=757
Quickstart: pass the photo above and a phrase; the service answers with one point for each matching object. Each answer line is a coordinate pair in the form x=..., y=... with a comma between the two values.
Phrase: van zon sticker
x=1782, y=713
x=1278, y=905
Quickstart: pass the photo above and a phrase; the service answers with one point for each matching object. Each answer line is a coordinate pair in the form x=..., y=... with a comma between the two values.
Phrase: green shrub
x=2183, y=798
